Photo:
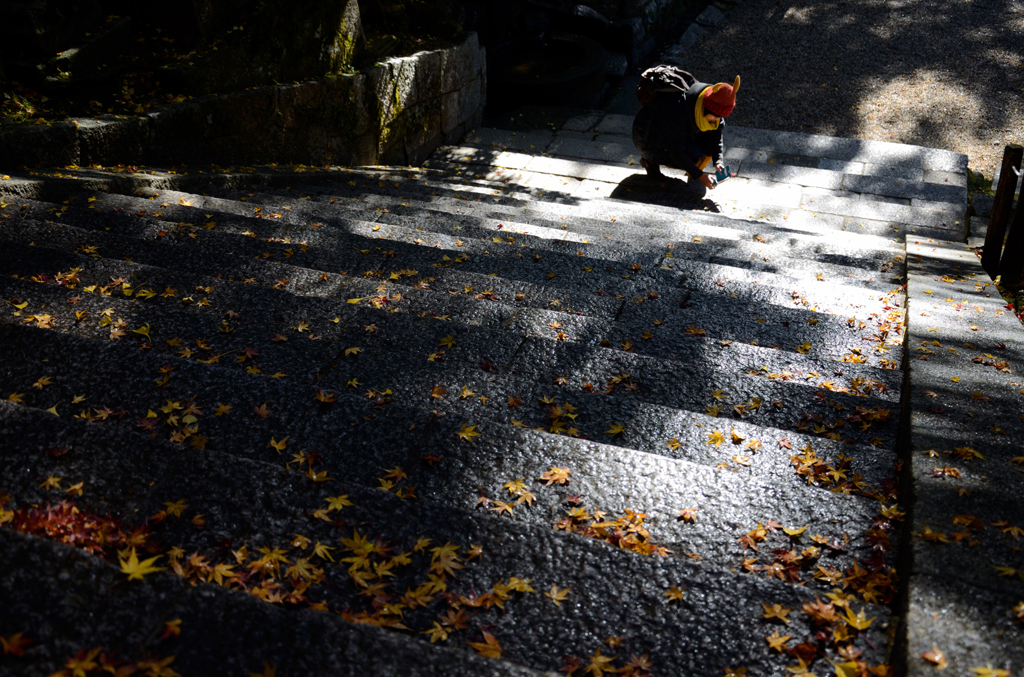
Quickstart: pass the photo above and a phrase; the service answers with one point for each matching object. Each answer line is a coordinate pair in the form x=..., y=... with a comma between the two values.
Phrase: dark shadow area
x=665, y=191
x=939, y=73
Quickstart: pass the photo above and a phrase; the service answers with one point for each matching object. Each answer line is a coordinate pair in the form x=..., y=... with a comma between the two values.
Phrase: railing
x=1008, y=260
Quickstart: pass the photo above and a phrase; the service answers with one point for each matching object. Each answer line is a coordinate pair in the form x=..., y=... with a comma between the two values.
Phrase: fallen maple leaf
x=600, y=664
x=15, y=644
x=489, y=647
x=674, y=594
x=136, y=569
x=776, y=642
x=776, y=611
x=936, y=658
x=716, y=438
x=468, y=432
x=557, y=596
x=555, y=475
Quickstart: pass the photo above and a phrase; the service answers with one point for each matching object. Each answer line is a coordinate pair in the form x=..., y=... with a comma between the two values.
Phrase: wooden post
x=1001, y=209
x=1011, y=265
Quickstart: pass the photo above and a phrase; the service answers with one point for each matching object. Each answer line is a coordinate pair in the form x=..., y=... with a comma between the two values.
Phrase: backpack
x=662, y=79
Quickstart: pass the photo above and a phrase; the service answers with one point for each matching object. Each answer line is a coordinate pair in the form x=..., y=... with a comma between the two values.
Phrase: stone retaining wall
x=395, y=113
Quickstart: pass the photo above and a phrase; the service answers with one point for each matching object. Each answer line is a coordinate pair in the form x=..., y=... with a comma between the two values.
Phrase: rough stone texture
x=222, y=631
x=50, y=145
x=981, y=204
x=710, y=17
x=398, y=112
x=277, y=44
x=528, y=272
x=691, y=36
x=967, y=397
x=110, y=140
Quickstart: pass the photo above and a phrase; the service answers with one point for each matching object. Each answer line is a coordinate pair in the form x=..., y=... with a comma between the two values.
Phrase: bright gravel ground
x=938, y=73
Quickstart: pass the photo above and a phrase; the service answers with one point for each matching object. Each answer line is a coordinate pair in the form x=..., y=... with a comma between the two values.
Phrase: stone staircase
x=517, y=411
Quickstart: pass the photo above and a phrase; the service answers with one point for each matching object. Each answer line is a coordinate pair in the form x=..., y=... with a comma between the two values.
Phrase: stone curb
x=957, y=328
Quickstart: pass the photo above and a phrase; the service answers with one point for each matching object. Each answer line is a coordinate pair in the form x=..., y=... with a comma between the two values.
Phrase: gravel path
x=938, y=73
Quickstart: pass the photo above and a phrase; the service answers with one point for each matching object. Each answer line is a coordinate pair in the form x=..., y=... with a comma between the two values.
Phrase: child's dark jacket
x=669, y=124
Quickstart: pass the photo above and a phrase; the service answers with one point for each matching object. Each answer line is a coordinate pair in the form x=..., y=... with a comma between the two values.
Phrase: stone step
x=751, y=169
x=745, y=372
x=831, y=296
x=725, y=317
x=908, y=208
x=359, y=439
x=846, y=156
x=440, y=213
x=765, y=204
x=630, y=602
x=575, y=256
x=509, y=189
x=226, y=631
x=771, y=375
x=722, y=242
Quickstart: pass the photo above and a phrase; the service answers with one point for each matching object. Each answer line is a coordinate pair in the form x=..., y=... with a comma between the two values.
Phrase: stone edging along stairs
x=516, y=411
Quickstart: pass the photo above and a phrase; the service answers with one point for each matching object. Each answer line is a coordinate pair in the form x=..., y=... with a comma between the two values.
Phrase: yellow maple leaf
x=776, y=611
x=989, y=671
x=860, y=621
x=615, y=429
x=468, y=432
x=136, y=569
x=557, y=596
x=674, y=594
x=337, y=502
x=600, y=664
x=778, y=642
x=555, y=475
x=438, y=633
x=716, y=438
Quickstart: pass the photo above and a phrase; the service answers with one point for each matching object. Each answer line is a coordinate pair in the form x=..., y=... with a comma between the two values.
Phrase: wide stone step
x=844, y=161
x=232, y=326
x=408, y=191
x=916, y=203
x=630, y=602
x=720, y=315
x=219, y=630
x=716, y=244
x=270, y=419
x=441, y=215
x=408, y=187
x=829, y=295
x=483, y=362
x=460, y=230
